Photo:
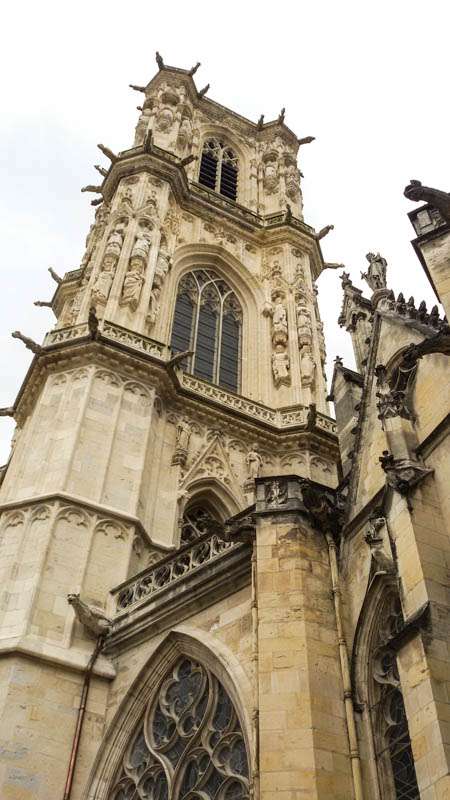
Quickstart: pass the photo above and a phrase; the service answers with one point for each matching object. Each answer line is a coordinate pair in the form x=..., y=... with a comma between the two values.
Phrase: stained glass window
x=219, y=168
x=392, y=741
x=208, y=320
x=189, y=744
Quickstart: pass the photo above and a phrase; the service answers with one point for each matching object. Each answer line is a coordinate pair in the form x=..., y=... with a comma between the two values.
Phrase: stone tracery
x=189, y=744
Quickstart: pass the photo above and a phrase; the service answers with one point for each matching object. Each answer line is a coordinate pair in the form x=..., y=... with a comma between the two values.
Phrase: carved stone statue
x=376, y=274
x=90, y=617
x=435, y=197
x=103, y=282
x=303, y=321
x=307, y=367
x=132, y=285
x=183, y=435
x=291, y=179
x=153, y=306
x=280, y=366
x=254, y=462
x=141, y=247
x=163, y=265
x=115, y=242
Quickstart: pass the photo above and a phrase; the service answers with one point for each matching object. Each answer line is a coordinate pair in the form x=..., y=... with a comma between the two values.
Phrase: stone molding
x=66, y=500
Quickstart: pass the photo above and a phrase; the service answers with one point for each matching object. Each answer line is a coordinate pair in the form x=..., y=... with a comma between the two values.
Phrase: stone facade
x=259, y=588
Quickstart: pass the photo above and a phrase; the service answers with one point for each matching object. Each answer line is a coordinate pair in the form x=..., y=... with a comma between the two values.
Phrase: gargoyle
x=29, y=343
x=193, y=70
x=43, y=303
x=435, y=197
x=136, y=88
x=260, y=122
x=91, y=188
x=90, y=617
x=8, y=411
x=108, y=153
x=55, y=275
x=103, y=172
x=281, y=116
x=203, y=91
x=178, y=357
x=159, y=60
x=305, y=140
x=323, y=231
x=188, y=160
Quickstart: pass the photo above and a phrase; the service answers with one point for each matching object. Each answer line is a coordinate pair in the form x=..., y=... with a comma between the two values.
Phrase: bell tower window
x=219, y=168
x=208, y=321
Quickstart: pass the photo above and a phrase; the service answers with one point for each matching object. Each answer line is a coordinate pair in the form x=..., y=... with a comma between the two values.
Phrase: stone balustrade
x=165, y=572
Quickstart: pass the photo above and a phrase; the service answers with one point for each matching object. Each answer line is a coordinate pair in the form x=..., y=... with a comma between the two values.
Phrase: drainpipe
x=255, y=659
x=345, y=671
x=80, y=718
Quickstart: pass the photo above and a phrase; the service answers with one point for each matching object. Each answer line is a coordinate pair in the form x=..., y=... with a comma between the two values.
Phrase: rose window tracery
x=189, y=745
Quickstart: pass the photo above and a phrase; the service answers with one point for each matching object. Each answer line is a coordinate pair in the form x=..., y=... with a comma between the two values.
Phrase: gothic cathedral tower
x=172, y=618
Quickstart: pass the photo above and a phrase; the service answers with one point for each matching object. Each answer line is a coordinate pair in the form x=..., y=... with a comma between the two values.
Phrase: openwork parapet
x=173, y=568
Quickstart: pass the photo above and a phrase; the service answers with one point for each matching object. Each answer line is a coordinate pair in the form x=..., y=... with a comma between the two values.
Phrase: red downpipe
x=80, y=719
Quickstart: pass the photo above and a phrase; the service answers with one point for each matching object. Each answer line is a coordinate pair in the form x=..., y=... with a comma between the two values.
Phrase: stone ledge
x=73, y=658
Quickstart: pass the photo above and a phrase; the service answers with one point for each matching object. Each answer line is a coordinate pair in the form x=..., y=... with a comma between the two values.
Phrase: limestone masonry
x=211, y=589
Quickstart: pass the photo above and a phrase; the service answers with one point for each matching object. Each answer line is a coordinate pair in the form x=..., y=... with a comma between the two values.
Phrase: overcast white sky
x=368, y=79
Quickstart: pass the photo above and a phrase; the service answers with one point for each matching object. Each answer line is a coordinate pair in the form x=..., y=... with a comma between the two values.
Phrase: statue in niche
x=163, y=265
x=303, y=320
x=292, y=181
x=376, y=273
x=153, y=306
x=307, y=367
x=271, y=178
x=165, y=120
x=185, y=133
x=254, y=463
x=132, y=285
x=103, y=282
x=280, y=366
x=277, y=311
x=141, y=247
x=95, y=232
x=115, y=242
x=143, y=122
x=75, y=305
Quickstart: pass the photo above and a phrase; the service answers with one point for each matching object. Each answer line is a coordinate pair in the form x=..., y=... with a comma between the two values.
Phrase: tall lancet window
x=219, y=168
x=208, y=321
x=189, y=743
x=394, y=755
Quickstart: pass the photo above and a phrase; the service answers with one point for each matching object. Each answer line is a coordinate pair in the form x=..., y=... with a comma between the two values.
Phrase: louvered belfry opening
x=219, y=168
x=208, y=321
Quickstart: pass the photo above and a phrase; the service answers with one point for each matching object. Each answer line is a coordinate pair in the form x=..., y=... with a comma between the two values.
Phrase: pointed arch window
x=189, y=744
x=395, y=761
x=198, y=520
x=208, y=321
x=219, y=168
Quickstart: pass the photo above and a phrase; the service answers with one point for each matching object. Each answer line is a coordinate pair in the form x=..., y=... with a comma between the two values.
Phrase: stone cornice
x=146, y=358
x=101, y=509
x=73, y=659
